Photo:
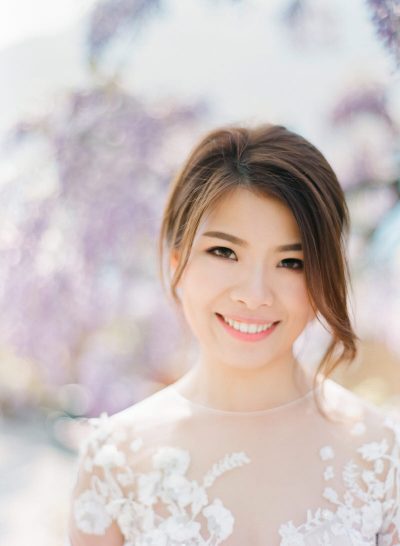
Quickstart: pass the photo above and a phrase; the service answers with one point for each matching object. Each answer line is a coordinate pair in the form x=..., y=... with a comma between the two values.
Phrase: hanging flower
x=90, y=513
x=326, y=453
x=171, y=460
x=219, y=519
x=108, y=456
x=372, y=519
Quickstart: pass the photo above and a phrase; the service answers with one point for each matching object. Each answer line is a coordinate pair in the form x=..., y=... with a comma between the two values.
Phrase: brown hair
x=271, y=161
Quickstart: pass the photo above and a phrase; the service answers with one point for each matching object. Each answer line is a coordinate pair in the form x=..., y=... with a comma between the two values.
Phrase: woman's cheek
x=295, y=290
x=204, y=275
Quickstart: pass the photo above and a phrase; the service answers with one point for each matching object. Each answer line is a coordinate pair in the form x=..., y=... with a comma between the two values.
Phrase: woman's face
x=253, y=280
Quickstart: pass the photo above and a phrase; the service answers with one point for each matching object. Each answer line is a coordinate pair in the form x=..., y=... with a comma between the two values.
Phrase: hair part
x=271, y=161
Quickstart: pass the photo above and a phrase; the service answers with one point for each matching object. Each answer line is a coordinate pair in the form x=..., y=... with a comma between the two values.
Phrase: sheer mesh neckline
x=215, y=411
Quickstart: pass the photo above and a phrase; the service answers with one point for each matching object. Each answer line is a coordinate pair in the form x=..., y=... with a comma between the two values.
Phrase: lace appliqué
x=377, y=506
x=167, y=483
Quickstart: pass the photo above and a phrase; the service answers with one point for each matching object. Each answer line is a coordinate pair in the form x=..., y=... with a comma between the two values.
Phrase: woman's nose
x=254, y=290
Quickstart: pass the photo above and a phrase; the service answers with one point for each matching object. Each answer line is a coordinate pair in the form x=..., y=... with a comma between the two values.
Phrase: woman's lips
x=243, y=336
x=248, y=320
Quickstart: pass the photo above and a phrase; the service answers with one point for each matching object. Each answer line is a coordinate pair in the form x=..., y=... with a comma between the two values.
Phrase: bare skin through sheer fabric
x=168, y=471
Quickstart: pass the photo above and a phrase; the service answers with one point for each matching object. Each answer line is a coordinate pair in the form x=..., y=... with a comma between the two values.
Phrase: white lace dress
x=170, y=472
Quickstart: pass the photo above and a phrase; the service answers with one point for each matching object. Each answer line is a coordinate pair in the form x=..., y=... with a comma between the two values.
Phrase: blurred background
x=100, y=103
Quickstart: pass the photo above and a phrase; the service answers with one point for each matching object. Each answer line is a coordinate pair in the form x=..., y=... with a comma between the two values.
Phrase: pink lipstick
x=243, y=336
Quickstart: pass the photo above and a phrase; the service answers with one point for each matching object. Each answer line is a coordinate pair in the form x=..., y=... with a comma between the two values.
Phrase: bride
x=248, y=448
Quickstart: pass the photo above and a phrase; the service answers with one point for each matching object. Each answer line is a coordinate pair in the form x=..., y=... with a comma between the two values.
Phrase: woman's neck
x=232, y=389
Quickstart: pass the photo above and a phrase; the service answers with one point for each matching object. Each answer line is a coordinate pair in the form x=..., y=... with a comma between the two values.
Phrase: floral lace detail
x=376, y=518
x=167, y=483
x=367, y=514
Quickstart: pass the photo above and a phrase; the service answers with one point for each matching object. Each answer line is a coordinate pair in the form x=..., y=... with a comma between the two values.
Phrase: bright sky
x=22, y=19
x=267, y=68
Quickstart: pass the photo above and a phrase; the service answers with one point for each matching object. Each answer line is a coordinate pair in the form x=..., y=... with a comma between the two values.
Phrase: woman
x=248, y=447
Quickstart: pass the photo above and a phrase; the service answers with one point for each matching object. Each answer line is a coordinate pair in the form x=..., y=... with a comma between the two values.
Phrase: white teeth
x=247, y=328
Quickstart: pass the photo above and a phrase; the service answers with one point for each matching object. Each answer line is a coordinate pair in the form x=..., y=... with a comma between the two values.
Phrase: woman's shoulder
x=154, y=407
x=362, y=447
x=114, y=451
x=349, y=407
x=357, y=421
x=143, y=419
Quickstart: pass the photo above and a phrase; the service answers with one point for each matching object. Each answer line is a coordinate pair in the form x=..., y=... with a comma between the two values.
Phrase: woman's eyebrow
x=242, y=242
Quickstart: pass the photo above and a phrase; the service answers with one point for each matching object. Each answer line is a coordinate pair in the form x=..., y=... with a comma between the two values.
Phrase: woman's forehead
x=243, y=211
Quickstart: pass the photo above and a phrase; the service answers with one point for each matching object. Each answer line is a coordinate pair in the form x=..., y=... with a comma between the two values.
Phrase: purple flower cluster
x=370, y=99
x=310, y=22
x=110, y=18
x=385, y=14
x=80, y=266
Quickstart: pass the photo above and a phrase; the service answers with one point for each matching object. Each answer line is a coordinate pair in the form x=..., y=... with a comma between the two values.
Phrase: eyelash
x=291, y=260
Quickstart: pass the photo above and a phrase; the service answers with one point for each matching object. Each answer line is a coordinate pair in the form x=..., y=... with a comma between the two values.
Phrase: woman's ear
x=174, y=258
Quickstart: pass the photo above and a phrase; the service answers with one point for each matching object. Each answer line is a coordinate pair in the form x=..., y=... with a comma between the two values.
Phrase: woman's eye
x=220, y=251
x=293, y=263
x=224, y=252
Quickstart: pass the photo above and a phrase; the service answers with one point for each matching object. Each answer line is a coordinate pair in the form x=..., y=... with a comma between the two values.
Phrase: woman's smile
x=247, y=335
